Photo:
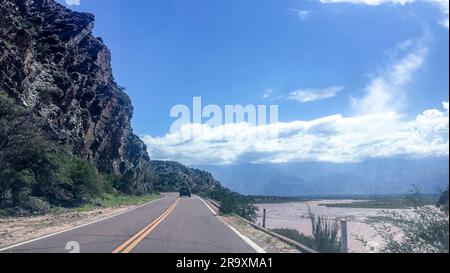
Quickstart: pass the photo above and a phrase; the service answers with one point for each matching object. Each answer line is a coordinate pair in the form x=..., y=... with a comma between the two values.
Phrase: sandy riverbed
x=295, y=216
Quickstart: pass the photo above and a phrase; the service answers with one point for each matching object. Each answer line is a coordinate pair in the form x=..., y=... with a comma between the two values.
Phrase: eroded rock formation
x=51, y=63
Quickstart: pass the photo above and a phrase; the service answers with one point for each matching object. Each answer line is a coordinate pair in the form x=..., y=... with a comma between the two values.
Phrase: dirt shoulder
x=14, y=230
x=267, y=242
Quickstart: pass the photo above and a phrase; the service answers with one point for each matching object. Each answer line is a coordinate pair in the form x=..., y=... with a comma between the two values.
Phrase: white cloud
x=331, y=139
x=443, y=5
x=301, y=14
x=269, y=93
x=375, y=130
x=73, y=2
x=385, y=92
x=273, y=95
x=310, y=95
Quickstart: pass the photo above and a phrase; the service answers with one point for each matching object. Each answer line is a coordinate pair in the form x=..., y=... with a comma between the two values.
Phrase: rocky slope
x=52, y=64
x=170, y=176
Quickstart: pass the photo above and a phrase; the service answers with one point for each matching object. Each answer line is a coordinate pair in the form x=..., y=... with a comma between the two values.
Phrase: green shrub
x=86, y=181
x=36, y=205
x=19, y=183
x=423, y=229
x=36, y=172
x=231, y=202
x=325, y=232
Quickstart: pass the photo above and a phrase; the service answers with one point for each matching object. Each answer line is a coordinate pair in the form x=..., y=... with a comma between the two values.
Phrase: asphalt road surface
x=167, y=225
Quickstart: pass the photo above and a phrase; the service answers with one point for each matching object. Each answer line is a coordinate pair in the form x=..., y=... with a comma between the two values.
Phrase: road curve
x=167, y=225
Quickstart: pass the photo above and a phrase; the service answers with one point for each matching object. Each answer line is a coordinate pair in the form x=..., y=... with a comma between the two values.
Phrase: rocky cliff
x=52, y=64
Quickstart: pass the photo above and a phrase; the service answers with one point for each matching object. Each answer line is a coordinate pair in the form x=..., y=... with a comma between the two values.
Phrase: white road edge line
x=206, y=204
x=247, y=240
x=256, y=247
x=77, y=227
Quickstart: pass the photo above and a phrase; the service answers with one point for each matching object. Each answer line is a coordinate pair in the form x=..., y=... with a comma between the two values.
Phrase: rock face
x=52, y=64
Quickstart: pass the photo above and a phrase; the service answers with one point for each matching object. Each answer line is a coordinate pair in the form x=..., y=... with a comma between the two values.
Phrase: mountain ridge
x=370, y=177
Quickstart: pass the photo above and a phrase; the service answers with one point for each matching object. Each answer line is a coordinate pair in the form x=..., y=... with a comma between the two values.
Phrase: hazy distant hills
x=375, y=176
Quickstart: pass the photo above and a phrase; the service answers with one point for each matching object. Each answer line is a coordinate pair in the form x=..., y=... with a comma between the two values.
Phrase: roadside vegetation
x=37, y=174
x=234, y=203
x=325, y=234
x=110, y=201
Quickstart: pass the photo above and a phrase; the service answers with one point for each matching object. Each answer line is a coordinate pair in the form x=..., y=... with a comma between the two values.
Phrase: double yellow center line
x=131, y=243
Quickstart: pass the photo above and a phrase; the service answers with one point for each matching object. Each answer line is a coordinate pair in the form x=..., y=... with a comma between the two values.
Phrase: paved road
x=168, y=225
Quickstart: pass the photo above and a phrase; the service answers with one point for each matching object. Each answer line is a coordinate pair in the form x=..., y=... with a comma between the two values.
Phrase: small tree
x=19, y=133
x=422, y=229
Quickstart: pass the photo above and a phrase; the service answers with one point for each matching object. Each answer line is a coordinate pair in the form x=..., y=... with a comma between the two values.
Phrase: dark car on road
x=185, y=191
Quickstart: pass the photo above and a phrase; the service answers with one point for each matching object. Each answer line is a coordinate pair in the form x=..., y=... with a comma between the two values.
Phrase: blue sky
x=315, y=59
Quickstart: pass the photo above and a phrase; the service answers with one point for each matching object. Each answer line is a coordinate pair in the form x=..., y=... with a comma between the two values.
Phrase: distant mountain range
x=374, y=176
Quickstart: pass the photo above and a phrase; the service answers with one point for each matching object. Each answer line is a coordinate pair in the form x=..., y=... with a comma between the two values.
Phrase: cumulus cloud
x=385, y=91
x=441, y=4
x=310, y=95
x=329, y=139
